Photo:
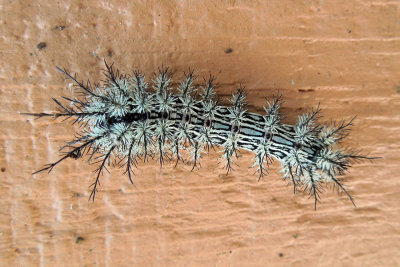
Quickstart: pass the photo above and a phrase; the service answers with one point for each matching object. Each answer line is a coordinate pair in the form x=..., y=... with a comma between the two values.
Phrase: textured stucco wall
x=342, y=54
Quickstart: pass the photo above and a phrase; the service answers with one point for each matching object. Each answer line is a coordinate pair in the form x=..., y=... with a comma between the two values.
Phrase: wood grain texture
x=342, y=54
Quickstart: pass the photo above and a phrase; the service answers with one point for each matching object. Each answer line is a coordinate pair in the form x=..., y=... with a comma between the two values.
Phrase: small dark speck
x=295, y=236
x=348, y=31
x=109, y=52
x=273, y=199
x=76, y=195
x=79, y=239
x=41, y=45
x=280, y=254
x=306, y=90
x=398, y=89
x=228, y=50
x=59, y=27
x=3, y=169
x=230, y=251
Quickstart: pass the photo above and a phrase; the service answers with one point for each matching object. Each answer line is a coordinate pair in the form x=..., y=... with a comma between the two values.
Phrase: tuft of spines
x=237, y=110
x=208, y=89
x=187, y=87
x=272, y=123
x=307, y=128
x=272, y=120
x=262, y=158
x=230, y=150
x=164, y=99
x=124, y=121
x=142, y=99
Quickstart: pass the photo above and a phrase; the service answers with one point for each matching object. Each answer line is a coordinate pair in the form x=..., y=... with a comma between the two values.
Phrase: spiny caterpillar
x=125, y=120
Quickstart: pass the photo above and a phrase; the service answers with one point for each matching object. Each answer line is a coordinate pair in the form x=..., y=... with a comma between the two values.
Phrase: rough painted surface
x=343, y=54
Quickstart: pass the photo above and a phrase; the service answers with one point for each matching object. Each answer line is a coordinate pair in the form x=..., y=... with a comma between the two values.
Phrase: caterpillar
x=125, y=120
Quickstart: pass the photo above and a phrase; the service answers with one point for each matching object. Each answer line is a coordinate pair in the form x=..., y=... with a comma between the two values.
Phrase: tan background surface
x=343, y=54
